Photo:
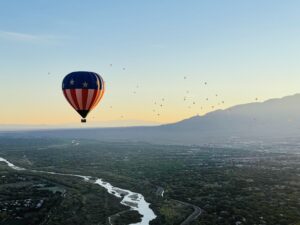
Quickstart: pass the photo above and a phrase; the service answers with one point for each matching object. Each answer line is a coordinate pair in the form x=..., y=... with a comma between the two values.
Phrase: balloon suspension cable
x=83, y=120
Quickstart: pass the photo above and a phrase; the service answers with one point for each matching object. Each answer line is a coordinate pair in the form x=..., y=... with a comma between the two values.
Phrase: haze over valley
x=269, y=121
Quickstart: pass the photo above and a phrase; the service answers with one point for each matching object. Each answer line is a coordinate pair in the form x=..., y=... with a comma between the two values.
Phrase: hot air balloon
x=83, y=90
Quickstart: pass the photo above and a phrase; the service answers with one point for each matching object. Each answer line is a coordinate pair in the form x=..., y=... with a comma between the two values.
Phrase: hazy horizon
x=117, y=123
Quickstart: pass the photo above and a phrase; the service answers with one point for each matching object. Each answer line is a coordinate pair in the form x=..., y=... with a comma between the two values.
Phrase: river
x=131, y=199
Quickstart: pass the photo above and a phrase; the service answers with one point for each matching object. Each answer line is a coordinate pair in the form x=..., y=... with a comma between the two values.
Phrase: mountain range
x=274, y=118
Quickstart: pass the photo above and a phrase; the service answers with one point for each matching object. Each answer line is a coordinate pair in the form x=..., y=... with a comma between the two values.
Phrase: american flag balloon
x=83, y=90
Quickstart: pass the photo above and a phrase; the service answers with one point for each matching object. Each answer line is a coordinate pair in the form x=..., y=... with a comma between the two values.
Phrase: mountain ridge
x=273, y=118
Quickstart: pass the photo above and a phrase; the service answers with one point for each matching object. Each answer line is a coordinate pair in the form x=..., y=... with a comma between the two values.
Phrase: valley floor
x=208, y=185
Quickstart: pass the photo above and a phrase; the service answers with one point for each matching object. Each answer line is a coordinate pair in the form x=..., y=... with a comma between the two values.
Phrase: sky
x=243, y=50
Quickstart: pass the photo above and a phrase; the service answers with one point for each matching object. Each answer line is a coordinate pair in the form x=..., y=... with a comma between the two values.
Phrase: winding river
x=131, y=199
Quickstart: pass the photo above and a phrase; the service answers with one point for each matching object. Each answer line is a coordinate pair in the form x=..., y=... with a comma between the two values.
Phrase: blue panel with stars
x=82, y=80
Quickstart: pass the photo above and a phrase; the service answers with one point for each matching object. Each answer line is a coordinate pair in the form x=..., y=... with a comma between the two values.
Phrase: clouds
x=29, y=38
x=17, y=36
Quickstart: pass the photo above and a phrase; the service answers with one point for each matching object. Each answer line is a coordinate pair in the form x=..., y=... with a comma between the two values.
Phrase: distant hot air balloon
x=83, y=90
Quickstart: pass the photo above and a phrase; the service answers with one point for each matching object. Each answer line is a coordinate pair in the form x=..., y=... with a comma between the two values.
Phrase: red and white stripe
x=100, y=95
x=83, y=99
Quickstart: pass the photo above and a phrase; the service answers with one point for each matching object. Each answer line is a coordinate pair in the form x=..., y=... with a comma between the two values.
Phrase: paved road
x=197, y=212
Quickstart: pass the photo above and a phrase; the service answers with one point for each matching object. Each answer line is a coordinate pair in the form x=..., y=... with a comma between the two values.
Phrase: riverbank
x=135, y=201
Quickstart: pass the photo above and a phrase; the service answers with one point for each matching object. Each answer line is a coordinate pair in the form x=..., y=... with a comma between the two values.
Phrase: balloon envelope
x=83, y=90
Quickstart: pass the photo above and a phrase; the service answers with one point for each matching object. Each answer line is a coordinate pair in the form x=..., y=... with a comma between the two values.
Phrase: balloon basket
x=83, y=120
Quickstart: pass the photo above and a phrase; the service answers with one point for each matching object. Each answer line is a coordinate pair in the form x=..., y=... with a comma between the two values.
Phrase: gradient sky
x=242, y=49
